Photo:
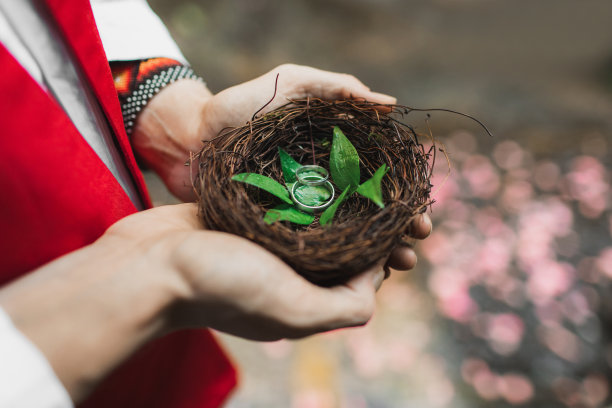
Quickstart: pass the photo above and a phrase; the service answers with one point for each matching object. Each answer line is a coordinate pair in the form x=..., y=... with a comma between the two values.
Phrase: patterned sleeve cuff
x=137, y=82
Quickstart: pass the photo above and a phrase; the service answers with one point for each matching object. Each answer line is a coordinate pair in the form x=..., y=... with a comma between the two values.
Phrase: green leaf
x=371, y=188
x=330, y=211
x=343, y=161
x=286, y=212
x=312, y=196
x=265, y=183
x=289, y=166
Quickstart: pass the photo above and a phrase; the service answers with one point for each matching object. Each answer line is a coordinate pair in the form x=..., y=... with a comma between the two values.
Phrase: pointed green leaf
x=286, y=212
x=312, y=196
x=289, y=166
x=265, y=183
x=330, y=211
x=343, y=161
x=372, y=189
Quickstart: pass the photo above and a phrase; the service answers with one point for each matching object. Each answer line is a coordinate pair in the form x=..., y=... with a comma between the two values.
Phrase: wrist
x=169, y=129
x=100, y=303
x=138, y=81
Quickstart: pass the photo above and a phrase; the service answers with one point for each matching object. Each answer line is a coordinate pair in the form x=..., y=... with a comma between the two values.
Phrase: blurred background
x=511, y=303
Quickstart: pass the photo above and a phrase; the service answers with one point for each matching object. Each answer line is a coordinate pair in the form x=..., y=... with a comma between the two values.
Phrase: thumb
x=353, y=303
x=370, y=279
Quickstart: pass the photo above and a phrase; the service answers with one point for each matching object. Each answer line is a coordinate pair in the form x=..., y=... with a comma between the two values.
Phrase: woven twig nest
x=361, y=233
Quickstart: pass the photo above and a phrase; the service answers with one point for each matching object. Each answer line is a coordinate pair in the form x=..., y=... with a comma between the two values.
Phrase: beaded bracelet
x=137, y=82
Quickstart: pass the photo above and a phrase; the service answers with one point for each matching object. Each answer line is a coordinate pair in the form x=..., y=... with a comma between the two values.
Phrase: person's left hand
x=182, y=115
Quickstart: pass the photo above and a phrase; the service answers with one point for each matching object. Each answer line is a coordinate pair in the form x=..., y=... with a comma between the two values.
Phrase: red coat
x=56, y=196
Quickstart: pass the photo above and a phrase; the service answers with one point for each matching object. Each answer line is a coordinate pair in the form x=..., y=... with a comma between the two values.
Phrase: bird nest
x=361, y=234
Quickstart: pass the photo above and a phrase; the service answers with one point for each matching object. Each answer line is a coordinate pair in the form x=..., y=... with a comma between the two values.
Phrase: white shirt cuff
x=130, y=30
x=26, y=377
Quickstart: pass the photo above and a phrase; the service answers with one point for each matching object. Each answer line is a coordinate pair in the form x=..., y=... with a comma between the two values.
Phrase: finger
x=348, y=305
x=331, y=85
x=420, y=227
x=402, y=258
x=387, y=270
x=378, y=278
x=348, y=87
x=375, y=275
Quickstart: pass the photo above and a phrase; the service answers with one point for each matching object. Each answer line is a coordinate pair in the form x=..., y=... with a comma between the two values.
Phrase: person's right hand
x=235, y=286
x=157, y=271
x=238, y=287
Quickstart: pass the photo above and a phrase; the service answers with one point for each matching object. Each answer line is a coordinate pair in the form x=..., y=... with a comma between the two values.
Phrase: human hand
x=239, y=288
x=235, y=286
x=157, y=271
x=403, y=257
x=236, y=105
x=176, y=120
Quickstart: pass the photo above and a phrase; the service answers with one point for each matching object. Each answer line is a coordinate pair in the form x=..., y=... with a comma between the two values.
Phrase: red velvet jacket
x=56, y=196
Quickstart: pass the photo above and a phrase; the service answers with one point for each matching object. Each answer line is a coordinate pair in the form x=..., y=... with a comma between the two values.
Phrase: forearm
x=89, y=310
